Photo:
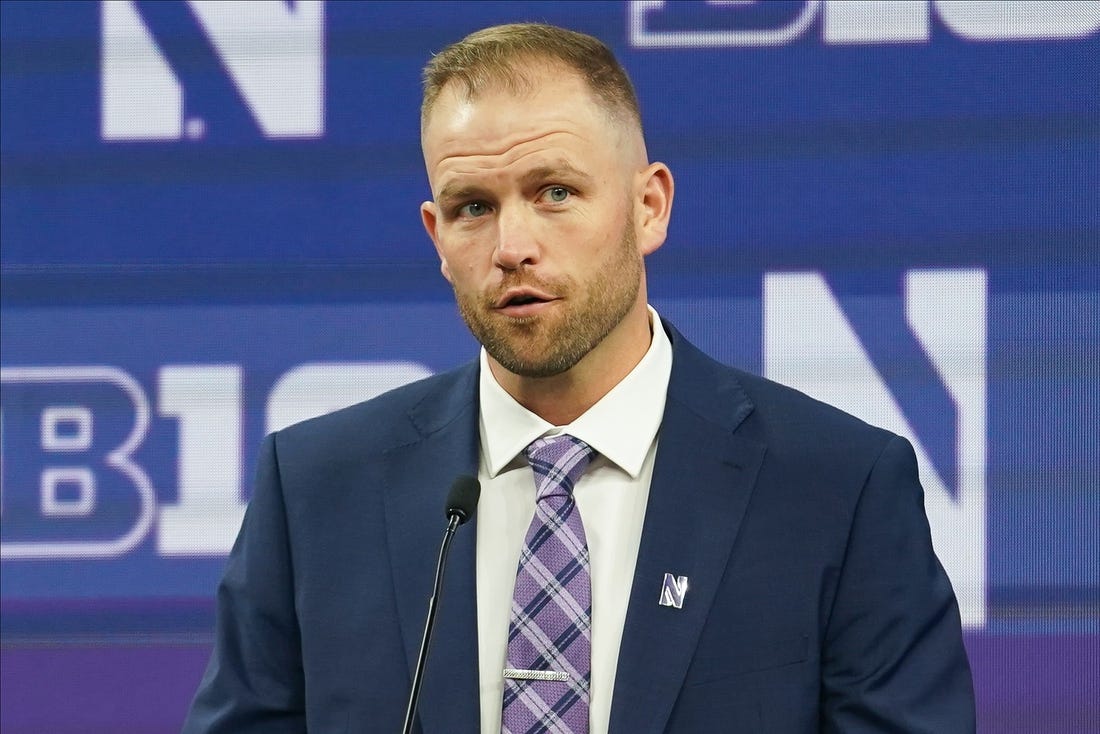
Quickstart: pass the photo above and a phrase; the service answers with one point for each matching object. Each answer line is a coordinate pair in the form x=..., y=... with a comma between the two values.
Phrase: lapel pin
x=673, y=591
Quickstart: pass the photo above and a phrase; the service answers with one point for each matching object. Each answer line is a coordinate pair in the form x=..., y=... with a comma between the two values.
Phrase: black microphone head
x=463, y=497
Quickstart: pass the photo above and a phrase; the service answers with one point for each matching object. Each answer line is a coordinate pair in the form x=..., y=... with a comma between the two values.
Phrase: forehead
x=498, y=124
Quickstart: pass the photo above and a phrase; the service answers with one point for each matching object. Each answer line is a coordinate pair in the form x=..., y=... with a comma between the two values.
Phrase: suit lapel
x=419, y=474
x=703, y=478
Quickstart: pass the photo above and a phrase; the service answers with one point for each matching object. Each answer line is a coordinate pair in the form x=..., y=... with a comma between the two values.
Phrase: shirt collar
x=621, y=426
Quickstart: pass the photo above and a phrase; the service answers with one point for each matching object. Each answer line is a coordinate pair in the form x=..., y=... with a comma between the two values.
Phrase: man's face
x=533, y=220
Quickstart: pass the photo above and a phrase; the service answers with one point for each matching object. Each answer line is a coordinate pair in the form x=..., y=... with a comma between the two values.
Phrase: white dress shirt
x=611, y=497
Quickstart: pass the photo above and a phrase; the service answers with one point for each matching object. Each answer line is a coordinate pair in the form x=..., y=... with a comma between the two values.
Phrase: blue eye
x=557, y=194
x=474, y=209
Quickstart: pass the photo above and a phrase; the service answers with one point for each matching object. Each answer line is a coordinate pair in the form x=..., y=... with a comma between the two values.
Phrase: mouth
x=521, y=302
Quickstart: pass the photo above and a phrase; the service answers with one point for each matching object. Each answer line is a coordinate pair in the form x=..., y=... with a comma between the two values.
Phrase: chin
x=539, y=364
x=528, y=368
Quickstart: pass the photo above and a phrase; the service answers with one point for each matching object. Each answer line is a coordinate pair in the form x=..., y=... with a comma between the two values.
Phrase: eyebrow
x=558, y=171
x=457, y=192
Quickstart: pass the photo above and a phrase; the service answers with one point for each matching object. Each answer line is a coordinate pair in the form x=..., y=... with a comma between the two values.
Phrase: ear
x=429, y=215
x=653, y=206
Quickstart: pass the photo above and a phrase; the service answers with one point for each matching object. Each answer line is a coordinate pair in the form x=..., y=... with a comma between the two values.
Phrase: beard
x=550, y=344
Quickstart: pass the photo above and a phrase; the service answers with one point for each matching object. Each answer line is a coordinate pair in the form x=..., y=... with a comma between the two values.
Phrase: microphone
x=462, y=499
x=461, y=503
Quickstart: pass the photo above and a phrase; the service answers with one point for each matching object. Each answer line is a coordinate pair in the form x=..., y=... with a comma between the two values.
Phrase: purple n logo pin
x=673, y=591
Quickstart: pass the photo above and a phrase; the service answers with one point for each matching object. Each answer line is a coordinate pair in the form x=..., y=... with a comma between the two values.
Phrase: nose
x=516, y=241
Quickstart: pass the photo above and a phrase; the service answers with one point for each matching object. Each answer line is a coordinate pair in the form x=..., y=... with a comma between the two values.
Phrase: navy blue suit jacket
x=815, y=604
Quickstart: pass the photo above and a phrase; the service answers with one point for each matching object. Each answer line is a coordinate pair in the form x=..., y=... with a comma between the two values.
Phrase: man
x=727, y=554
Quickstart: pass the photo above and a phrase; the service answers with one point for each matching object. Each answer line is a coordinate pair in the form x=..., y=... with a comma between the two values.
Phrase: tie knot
x=558, y=462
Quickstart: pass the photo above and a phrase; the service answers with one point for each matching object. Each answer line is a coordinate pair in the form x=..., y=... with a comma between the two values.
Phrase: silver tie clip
x=515, y=674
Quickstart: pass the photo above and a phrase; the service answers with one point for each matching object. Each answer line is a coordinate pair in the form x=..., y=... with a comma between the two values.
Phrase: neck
x=561, y=399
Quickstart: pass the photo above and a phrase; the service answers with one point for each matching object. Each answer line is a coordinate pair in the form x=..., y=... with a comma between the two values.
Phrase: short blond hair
x=495, y=56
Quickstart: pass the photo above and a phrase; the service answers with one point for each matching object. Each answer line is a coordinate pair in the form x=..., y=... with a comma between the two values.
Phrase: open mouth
x=522, y=301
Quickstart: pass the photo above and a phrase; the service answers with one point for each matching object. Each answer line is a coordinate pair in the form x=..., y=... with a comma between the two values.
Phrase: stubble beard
x=550, y=344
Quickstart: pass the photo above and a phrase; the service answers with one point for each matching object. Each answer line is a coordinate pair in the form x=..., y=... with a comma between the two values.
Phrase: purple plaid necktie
x=549, y=640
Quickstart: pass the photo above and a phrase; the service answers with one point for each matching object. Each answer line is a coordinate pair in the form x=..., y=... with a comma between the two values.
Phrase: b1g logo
x=747, y=23
x=90, y=421
x=915, y=365
x=72, y=484
x=172, y=69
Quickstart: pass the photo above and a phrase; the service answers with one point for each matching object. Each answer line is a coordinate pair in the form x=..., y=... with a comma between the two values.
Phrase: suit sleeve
x=893, y=658
x=254, y=681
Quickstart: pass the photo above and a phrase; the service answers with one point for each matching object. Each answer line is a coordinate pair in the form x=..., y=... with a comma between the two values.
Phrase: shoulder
x=784, y=412
x=794, y=425
x=815, y=449
x=391, y=419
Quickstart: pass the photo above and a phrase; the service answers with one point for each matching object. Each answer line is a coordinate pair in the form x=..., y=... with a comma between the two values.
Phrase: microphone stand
x=414, y=695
